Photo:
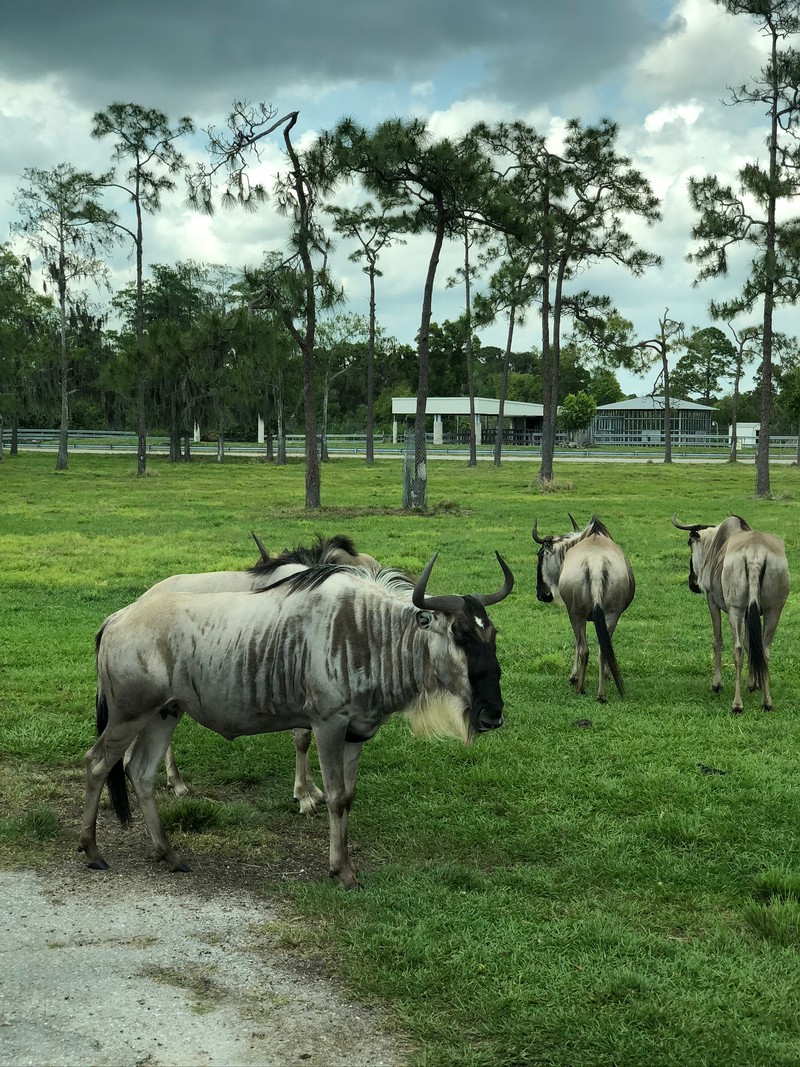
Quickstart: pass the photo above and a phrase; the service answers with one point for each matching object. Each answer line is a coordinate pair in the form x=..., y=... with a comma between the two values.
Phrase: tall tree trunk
x=667, y=407
x=323, y=442
x=762, y=451
x=498, y=439
x=473, y=450
x=141, y=377
x=418, y=489
x=549, y=399
x=550, y=375
x=277, y=389
x=369, y=452
x=270, y=449
x=735, y=407
x=62, y=461
x=220, y=434
x=306, y=339
x=14, y=446
x=174, y=430
x=141, y=435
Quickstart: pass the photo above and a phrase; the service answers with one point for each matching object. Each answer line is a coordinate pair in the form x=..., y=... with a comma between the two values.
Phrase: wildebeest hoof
x=98, y=865
x=573, y=679
x=716, y=688
x=766, y=707
x=181, y=868
x=602, y=700
x=737, y=711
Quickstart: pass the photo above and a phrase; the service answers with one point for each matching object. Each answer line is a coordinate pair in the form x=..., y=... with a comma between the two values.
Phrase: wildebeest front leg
x=339, y=762
x=716, y=626
x=306, y=792
x=144, y=761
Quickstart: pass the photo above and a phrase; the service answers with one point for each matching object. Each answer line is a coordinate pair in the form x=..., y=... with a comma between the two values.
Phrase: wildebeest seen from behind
x=330, y=648
x=338, y=549
x=745, y=573
x=589, y=573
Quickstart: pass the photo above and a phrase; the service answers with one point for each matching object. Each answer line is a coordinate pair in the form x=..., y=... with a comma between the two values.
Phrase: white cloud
x=687, y=114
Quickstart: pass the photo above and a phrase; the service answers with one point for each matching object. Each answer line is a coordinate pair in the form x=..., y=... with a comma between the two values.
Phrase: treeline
x=210, y=361
x=529, y=214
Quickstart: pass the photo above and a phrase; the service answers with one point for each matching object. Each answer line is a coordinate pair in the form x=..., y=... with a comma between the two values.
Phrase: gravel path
x=139, y=969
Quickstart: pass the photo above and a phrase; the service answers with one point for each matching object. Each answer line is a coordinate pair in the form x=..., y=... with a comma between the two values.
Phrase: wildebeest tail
x=117, y=785
x=758, y=661
x=606, y=648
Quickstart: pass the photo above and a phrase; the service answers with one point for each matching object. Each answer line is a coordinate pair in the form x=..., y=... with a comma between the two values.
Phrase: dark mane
x=313, y=577
x=742, y=522
x=596, y=526
x=395, y=581
x=307, y=555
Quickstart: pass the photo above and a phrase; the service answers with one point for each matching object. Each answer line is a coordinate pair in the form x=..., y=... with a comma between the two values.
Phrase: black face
x=474, y=633
x=543, y=592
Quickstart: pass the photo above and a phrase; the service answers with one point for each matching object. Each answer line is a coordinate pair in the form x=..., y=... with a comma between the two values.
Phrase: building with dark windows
x=640, y=421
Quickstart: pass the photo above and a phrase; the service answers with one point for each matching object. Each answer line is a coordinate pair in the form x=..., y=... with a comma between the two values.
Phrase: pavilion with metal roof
x=525, y=419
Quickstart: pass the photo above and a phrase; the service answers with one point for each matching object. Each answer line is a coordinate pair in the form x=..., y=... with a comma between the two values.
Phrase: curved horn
x=693, y=529
x=575, y=526
x=433, y=603
x=261, y=549
x=539, y=540
x=508, y=584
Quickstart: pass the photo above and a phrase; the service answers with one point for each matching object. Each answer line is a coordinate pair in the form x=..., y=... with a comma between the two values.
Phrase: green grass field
x=556, y=894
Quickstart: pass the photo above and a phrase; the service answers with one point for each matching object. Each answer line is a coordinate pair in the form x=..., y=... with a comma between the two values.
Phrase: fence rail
x=709, y=447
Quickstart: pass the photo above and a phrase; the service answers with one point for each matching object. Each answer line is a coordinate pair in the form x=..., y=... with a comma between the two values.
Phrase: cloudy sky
x=659, y=68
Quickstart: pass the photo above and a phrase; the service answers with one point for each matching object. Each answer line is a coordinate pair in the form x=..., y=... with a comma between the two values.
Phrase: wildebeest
x=328, y=648
x=338, y=549
x=589, y=573
x=744, y=573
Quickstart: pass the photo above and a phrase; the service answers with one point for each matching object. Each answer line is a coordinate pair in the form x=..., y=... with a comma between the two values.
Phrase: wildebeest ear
x=424, y=619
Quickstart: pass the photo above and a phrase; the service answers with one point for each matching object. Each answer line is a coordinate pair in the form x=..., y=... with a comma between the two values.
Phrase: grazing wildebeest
x=329, y=648
x=589, y=573
x=269, y=570
x=744, y=573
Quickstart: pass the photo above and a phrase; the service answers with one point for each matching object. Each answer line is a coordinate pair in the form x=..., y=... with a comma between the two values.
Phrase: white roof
x=459, y=405
x=652, y=403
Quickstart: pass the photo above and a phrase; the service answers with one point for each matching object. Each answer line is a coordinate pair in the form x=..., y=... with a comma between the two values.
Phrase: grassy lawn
x=558, y=893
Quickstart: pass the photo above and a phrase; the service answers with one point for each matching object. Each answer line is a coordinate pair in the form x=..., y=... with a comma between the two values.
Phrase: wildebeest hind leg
x=104, y=754
x=737, y=626
x=142, y=768
x=771, y=619
x=174, y=778
x=306, y=792
x=581, y=652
